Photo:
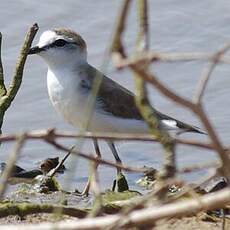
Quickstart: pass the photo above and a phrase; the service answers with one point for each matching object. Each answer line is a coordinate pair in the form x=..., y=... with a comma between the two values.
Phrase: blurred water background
x=175, y=25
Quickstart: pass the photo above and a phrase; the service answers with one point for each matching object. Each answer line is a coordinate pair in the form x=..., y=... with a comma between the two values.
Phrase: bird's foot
x=120, y=183
x=85, y=191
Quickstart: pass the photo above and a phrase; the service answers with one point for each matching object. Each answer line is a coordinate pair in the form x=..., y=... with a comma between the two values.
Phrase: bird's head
x=61, y=47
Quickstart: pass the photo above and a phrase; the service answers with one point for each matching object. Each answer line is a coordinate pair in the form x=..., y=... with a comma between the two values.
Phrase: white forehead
x=48, y=37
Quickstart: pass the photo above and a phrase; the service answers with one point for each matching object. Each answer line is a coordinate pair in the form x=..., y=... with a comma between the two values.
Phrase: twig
x=223, y=224
x=23, y=209
x=141, y=202
x=130, y=217
x=150, y=78
x=206, y=73
x=138, y=218
x=198, y=110
x=94, y=183
x=119, y=28
x=54, y=171
x=151, y=56
x=13, y=156
x=8, y=96
x=223, y=154
x=197, y=184
x=2, y=84
x=91, y=157
x=142, y=101
x=17, y=77
x=95, y=166
x=45, y=134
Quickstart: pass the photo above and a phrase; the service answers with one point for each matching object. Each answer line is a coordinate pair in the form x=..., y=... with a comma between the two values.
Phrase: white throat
x=68, y=61
x=62, y=84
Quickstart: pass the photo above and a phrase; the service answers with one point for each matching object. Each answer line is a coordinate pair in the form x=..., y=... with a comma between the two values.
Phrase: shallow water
x=176, y=26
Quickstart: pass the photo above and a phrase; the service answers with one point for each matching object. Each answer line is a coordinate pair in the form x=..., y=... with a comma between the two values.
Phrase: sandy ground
x=33, y=218
x=188, y=223
x=191, y=223
x=22, y=195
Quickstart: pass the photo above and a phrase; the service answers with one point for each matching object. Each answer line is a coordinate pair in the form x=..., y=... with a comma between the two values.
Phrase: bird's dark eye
x=60, y=42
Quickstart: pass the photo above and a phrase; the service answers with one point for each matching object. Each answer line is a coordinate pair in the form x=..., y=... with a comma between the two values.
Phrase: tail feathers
x=189, y=128
x=173, y=123
x=197, y=130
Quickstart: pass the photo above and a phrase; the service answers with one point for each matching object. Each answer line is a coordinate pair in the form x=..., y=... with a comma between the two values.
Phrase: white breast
x=62, y=88
x=72, y=105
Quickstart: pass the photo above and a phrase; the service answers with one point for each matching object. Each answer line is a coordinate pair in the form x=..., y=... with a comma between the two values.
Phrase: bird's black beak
x=35, y=50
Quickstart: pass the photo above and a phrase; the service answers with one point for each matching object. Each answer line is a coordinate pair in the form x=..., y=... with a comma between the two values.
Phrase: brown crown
x=76, y=38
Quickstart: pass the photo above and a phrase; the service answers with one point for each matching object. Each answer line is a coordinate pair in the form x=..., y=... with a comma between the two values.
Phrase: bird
x=70, y=80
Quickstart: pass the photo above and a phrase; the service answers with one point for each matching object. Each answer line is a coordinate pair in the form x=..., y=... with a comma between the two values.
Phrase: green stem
x=2, y=85
x=25, y=209
x=142, y=101
x=8, y=95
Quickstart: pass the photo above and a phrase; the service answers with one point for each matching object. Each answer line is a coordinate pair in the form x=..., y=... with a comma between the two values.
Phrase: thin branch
x=44, y=134
x=143, y=103
x=193, y=107
x=223, y=154
x=198, y=110
x=138, y=203
x=91, y=157
x=151, y=56
x=94, y=183
x=206, y=73
x=190, y=189
x=13, y=156
x=26, y=208
x=18, y=74
x=2, y=84
x=55, y=170
x=150, y=78
x=119, y=28
x=137, y=218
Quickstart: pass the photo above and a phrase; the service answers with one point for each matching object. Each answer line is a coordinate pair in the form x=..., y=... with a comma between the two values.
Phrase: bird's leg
x=96, y=147
x=98, y=153
x=115, y=154
x=120, y=182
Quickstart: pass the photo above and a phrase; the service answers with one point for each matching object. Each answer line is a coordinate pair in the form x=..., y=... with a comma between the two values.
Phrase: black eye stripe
x=59, y=43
